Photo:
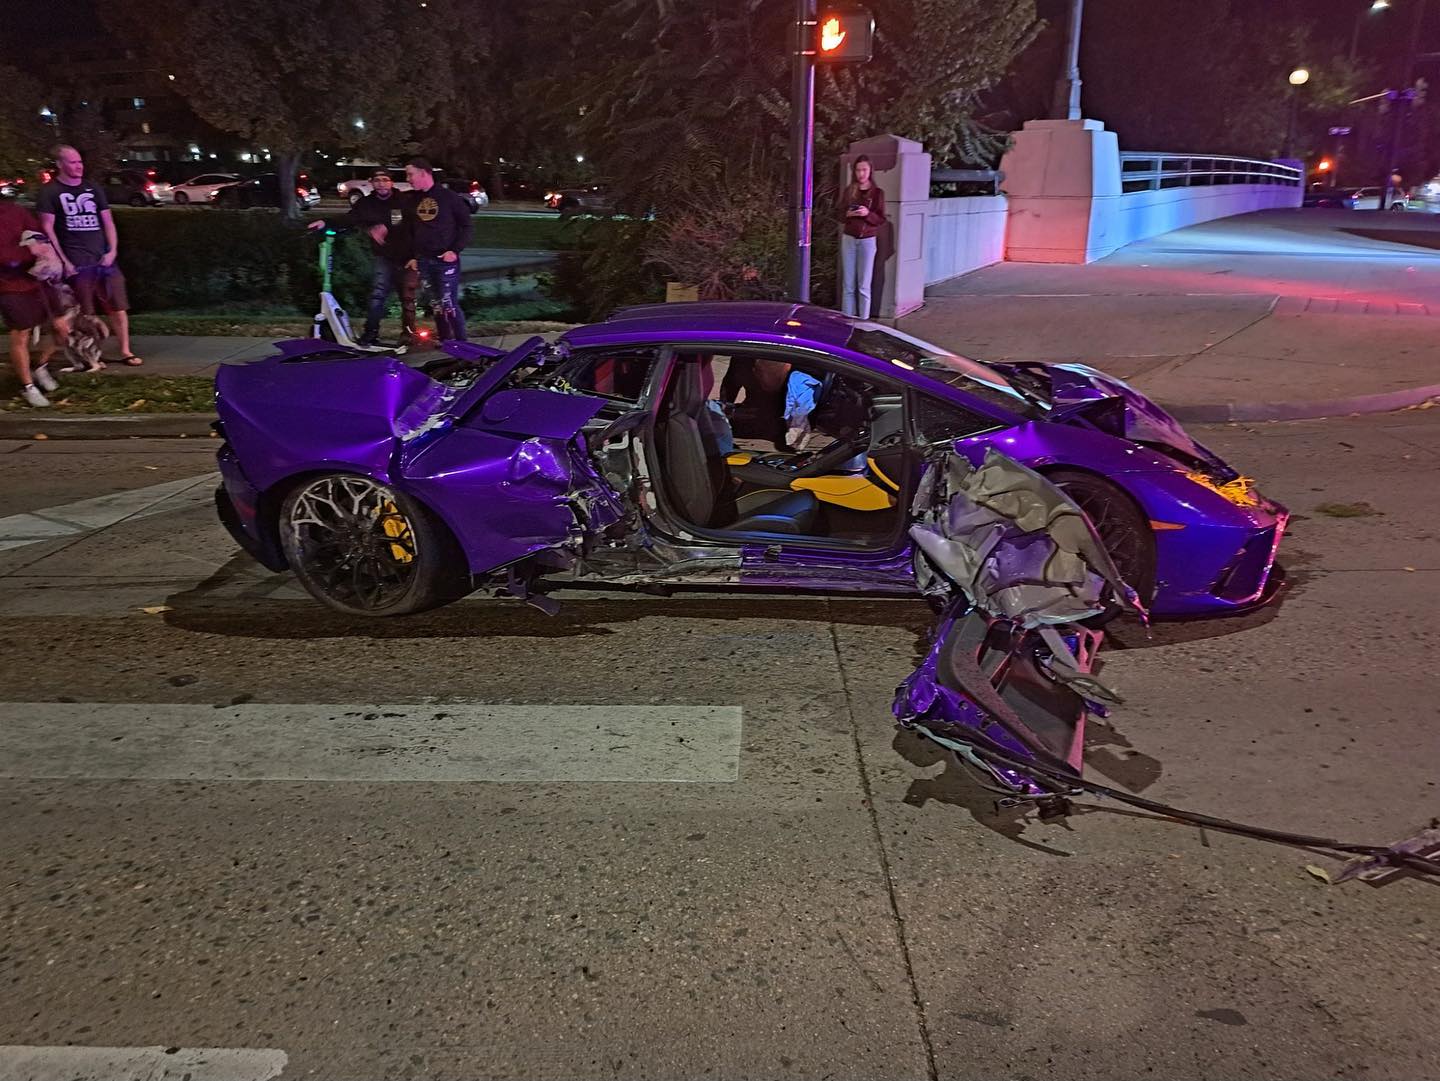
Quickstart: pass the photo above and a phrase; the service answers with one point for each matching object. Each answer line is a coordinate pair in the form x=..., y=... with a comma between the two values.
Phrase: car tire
x=347, y=537
x=1123, y=527
x=355, y=197
x=181, y=198
x=1398, y=206
x=138, y=200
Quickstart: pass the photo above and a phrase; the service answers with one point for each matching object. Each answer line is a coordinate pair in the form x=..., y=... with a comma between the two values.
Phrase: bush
x=602, y=266
x=204, y=257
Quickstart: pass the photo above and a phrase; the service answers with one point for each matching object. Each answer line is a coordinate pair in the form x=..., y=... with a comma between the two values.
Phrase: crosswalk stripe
x=88, y=515
x=30, y=1063
x=370, y=743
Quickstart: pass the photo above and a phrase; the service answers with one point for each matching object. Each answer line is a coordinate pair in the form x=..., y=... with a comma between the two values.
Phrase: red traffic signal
x=844, y=35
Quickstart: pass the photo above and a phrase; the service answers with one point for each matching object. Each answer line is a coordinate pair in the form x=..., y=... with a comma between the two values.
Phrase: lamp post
x=1067, y=86
x=1402, y=103
x=1298, y=78
x=1377, y=5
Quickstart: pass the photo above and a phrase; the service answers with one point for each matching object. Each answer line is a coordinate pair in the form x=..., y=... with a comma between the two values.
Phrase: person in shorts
x=77, y=218
x=26, y=303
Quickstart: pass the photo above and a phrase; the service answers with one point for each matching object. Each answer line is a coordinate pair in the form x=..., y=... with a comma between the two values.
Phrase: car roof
x=727, y=320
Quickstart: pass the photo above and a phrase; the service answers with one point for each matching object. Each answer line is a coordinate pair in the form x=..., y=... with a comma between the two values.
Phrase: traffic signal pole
x=802, y=147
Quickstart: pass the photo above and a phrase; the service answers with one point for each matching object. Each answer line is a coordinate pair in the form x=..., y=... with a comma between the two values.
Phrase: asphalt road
x=743, y=872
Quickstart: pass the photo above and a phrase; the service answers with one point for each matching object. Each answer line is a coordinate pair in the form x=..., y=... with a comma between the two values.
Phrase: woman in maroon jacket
x=25, y=303
x=862, y=211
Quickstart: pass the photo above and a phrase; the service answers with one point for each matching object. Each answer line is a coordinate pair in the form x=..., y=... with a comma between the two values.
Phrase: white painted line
x=20, y=1063
x=88, y=515
x=380, y=743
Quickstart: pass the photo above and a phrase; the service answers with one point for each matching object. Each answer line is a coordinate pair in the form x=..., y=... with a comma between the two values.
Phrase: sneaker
x=44, y=380
x=368, y=341
x=31, y=393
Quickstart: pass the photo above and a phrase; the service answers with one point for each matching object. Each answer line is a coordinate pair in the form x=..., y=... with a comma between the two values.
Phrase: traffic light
x=844, y=35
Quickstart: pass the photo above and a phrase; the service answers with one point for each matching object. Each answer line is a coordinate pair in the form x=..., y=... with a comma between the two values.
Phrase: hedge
x=205, y=258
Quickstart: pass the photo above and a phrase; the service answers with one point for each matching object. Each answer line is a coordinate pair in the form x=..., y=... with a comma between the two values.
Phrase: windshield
x=972, y=376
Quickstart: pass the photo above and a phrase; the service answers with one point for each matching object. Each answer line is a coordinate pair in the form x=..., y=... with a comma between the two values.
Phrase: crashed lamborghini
x=763, y=445
x=777, y=446
x=738, y=444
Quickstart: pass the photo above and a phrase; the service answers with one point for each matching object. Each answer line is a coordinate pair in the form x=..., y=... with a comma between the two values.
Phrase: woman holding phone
x=862, y=212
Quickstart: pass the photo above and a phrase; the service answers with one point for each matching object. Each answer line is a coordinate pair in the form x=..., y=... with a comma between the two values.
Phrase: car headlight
x=1240, y=491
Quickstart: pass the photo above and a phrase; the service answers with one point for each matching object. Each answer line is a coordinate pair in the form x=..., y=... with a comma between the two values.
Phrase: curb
x=42, y=423
x=1224, y=412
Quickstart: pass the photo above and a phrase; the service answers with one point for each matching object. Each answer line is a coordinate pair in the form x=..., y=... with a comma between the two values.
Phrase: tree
x=364, y=75
x=23, y=134
x=684, y=107
x=1206, y=78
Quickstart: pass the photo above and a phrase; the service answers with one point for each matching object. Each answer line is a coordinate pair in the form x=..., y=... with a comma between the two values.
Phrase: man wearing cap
x=380, y=214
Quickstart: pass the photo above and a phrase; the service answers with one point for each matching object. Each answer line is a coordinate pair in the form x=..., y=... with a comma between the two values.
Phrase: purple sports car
x=737, y=444
x=769, y=445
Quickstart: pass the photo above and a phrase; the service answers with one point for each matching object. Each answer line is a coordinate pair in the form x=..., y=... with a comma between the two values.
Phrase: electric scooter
x=332, y=322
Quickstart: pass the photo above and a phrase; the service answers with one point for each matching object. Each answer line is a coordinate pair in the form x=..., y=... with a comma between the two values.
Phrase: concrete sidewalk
x=1275, y=315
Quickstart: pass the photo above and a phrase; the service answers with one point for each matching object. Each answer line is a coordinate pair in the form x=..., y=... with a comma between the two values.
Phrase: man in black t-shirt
x=76, y=217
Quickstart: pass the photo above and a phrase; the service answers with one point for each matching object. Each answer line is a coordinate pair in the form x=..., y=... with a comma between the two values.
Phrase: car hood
x=1078, y=393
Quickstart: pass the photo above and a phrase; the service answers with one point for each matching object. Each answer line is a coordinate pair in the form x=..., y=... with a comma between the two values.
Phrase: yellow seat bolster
x=879, y=473
x=739, y=457
x=855, y=493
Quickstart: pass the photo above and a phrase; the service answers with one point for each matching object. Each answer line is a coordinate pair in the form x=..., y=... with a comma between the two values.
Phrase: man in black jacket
x=382, y=215
x=439, y=222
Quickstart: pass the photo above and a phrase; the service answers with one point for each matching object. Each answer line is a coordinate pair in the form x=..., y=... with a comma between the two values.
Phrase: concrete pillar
x=902, y=170
x=1063, y=181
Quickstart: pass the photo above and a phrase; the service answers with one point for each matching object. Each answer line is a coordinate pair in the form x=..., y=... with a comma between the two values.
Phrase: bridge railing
x=1155, y=171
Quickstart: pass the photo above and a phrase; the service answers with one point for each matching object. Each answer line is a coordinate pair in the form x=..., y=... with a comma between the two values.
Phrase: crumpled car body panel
x=1011, y=669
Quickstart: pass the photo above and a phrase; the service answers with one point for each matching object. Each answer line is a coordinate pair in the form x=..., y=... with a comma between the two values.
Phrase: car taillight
x=150, y=188
x=300, y=192
x=423, y=334
x=474, y=186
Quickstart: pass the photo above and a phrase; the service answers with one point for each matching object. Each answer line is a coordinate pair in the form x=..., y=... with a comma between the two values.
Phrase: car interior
x=757, y=444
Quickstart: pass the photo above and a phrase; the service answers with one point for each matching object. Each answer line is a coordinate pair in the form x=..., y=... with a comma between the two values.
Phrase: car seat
x=696, y=478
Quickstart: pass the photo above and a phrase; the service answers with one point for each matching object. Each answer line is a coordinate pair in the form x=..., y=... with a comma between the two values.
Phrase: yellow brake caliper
x=397, y=526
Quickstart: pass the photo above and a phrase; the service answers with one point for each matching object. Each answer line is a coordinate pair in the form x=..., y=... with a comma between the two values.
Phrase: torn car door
x=1010, y=676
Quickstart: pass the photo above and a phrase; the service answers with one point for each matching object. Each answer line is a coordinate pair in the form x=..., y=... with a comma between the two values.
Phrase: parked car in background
x=584, y=199
x=11, y=187
x=1333, y=198
x=1369, y=199
x=202, y=188
x=471, y=190
x=131, y=187
x=355, y=188
x=264, y=190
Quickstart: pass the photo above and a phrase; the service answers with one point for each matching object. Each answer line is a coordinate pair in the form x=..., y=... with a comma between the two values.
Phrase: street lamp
x=1067, y=87
x=1298, y=78
x=1376, y=6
